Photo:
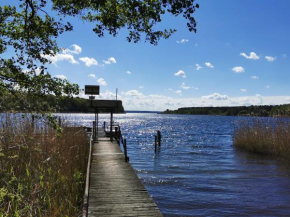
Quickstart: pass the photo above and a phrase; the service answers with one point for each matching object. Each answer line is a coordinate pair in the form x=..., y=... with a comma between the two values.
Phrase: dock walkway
x=115, y=189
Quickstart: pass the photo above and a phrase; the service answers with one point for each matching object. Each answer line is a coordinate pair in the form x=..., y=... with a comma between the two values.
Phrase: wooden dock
x=115, y=189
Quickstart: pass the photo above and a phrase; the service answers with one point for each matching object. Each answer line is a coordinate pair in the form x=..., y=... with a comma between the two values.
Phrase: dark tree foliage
x=28, y=32
x=64, y=104
x=260, y=110
x=135, y=15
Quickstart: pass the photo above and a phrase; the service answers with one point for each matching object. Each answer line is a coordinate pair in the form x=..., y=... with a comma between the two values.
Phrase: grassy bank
x=271, y=138
x=42, y=174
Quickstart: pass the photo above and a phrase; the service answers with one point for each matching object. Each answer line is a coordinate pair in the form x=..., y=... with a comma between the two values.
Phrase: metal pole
x=116, y=93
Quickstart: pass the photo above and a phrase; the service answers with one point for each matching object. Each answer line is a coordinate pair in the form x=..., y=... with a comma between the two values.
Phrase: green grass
x=42, y=173
x=264, y=138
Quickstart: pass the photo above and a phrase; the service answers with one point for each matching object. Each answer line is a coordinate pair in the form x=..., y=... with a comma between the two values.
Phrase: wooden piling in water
x=155, y=144
x=159, y=138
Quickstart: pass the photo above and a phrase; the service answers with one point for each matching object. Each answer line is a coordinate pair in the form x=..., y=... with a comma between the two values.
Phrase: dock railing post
x=125, y=150
x=94, y=130
x=87, y=186
x=111, y=126
x=119, y=132
x=116, y=133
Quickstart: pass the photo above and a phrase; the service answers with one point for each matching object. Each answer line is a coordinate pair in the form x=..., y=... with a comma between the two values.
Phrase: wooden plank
x=115, y=189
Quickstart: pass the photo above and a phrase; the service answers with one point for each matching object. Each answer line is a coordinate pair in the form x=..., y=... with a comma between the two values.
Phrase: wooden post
x=125, y=150
x=159, y=137
x=120, y=134
x=116, y=133
x=94, y=130
x=32, y=122
x=59, y=120
x=111, y=126
x=155, y=144
x=97, y=123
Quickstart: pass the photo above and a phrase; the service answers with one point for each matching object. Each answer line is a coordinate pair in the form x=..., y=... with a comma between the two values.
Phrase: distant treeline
x=261, y=110
x=49, y=102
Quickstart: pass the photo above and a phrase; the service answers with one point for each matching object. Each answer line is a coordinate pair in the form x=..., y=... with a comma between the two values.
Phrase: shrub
x=271, y=138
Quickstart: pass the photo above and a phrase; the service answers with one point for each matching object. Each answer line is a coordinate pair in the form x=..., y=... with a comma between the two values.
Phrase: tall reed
x=42, y=173
x=270, y=138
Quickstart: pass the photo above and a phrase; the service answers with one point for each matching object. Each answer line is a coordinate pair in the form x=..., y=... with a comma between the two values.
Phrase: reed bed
x=265, y=137
x=41, y=173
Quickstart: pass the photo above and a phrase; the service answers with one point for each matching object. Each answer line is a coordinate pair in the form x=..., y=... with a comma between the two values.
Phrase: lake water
x=197, y=171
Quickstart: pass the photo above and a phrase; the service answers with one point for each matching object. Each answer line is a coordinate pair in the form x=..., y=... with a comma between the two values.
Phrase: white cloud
x=183, y=86
x=134, y=93
x=76, y=50
x=208, y=64
x=37, y=71
x=92, y=75
x=60, y=76
x=141, y=87
x=198, y=67
x=178, y=92
x=254, y=77
x=252, y=56
x=102, y=81
x=180, y=73
x=284, y=56
x=66, y=54
x=60, y=57
x=107, y=95
x=158, y=96
x=243, y=90
x=129, y=73
x=110, y=60
x=216, y=96
x=258, y=100
x=268, y=86
x=182, y=41
x=89, y=61
x=270, y=59
x=155, y=102
x=238, y=69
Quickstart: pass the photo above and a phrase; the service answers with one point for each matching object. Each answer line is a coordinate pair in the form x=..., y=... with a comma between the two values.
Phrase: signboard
x=92, y=89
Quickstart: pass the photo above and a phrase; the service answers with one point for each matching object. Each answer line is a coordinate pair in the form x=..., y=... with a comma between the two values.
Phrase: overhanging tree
x=28, y=32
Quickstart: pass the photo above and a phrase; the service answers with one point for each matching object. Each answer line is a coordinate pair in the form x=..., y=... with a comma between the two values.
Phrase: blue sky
x=239, y=56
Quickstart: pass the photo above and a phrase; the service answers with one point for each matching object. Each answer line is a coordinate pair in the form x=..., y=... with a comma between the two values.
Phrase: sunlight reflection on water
x=197, y=172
